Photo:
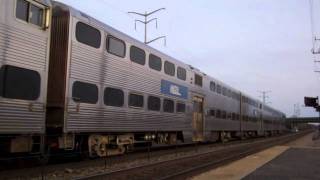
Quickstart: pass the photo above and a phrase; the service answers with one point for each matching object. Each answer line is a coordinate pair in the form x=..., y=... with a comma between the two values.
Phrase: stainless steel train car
x=89, y=87
x=24, y=60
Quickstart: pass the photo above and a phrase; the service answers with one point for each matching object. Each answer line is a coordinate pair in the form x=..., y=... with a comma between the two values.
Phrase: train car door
x=197, y=120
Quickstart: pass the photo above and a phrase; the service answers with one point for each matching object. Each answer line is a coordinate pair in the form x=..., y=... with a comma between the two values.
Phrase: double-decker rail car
x=94, y=89
x=24, y=60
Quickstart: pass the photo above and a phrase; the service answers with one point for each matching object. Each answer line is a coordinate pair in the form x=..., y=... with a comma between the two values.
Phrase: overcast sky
x=251, y=45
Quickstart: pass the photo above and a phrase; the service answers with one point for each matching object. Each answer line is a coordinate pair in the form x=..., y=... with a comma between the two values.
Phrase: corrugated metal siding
x=15, y=117
x=22, y=48
x=26, y=50
x=103, y=69
x=121, y=120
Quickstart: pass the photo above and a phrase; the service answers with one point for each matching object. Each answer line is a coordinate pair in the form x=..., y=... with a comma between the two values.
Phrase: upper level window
x=113, y=97
x=36, y=17
x=212, y=86
x=198, y=80
x=229, y=93
x=19, y=83
x=85, y=92
x=219, y=88
x=169, y=68
x=135, y=100
x=116, y=46
x=88, y=35
x=155, y=62
x=29, y=12
x=168, y=106
x=137, y=55
x=224, y=91
x=181, y=107
x=181, y=73
x=154, y=103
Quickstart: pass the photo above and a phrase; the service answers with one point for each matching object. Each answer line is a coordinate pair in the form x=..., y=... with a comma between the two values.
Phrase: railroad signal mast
x=146, y=22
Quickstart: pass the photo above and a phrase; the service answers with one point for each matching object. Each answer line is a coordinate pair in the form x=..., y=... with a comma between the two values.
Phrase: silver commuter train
x=70, y=82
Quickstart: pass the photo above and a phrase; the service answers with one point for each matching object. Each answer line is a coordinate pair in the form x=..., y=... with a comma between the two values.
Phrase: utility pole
x=296, y=110
x=146, y=22
x=264, y=96
x=315, y=39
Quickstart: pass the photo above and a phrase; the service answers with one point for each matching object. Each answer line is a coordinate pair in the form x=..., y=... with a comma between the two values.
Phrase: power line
x=315, y=39
x=146, y=22
x=264, y=96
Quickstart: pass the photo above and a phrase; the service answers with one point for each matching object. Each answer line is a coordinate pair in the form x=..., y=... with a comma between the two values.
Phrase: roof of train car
x=83, y=16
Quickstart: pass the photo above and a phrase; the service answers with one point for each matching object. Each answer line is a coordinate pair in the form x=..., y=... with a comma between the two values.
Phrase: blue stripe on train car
x=173, y=89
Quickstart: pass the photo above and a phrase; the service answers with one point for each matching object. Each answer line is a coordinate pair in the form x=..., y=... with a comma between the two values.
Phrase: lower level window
x=168, y=106
x=218, y=114
x=113, y=97
x=181, y=107
x=154, y=103
x=19, y=83
x=224, y=114
x=135, y=100
x=212, y=112
x=85, y=92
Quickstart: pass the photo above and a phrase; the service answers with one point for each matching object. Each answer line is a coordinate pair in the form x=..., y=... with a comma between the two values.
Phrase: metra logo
x=173, y=89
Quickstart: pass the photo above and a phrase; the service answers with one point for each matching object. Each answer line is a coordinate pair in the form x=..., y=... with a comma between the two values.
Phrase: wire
x=118, y=9
x=312, y=23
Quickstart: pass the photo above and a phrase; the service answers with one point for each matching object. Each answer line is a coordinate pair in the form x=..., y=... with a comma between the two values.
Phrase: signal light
x=311, y=101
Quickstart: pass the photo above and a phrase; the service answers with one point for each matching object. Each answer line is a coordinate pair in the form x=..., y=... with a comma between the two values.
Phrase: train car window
x=137, y=55
x=154, y=103
x=234, y=95
x=169, y=68
x=229, y=116
x=198, y=80
x=218, y=88
x=181, y=107
x=116, y=46
x=212, y=112
x=168, y=106
x=233, y=116
x=135, y=100
x=212, y=86
x=30, y=13
x=224, y=91
x=36, y=15
x=88, y=35
x=223, y=114
x=218, y=113
x=19, y=83
x=181, y=73
x=155, y=62
x=229, y=93
x=22, y=10
x=113, y=97
x=84, y=92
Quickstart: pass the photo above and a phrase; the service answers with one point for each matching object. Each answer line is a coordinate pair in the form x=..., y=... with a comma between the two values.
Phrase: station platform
x=299, y=159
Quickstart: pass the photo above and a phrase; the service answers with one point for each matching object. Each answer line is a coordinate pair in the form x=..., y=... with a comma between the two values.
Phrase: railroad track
x=110, y=163
x=186, y=166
